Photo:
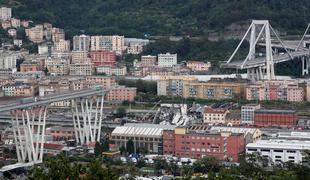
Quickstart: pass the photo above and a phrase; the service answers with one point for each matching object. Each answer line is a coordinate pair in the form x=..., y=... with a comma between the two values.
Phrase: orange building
x=122, y=93
x=29, y=66
x=271, y=117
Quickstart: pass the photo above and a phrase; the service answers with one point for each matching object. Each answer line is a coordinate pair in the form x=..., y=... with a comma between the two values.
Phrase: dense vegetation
x=140, y=18
x=162, y=17
x=251, y=167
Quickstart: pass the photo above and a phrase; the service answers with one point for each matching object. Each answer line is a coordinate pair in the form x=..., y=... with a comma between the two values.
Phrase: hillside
x=134, y=18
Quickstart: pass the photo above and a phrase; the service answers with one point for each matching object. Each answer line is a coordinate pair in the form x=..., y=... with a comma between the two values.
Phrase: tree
x=98, y=149
x=96, y=171
x=122, y=150
x=130, y=147
x=120, y=112
x=206, y=164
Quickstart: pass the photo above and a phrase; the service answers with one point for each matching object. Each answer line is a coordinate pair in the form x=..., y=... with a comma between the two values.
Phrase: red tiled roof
x=53, y=146
x=215, y=110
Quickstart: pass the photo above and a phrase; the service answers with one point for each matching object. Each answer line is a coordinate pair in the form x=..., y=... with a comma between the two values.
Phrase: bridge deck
x=261, y=61
x=52, y=98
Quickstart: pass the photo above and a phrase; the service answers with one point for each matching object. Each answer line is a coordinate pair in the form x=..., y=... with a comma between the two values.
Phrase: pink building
x=100, y=58
x=122, y=93
x=287, y=90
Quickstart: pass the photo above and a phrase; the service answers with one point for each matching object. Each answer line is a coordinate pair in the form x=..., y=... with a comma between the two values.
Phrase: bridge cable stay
x=259, y=30
x=303, y=37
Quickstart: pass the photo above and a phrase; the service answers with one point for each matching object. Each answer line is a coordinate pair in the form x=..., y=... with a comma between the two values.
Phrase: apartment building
x=106, y=82
x=53, y=87
x=214, y=115
x=81, y=69
x=5, y=13
x=6, y=24
x=57, y=34
x=8, y=60
x=191, y=143
x=60, y=133
x=173, y=85
x=81, y=43
x=103, y=58
x=167, y=60
x=280, y=150
x=122, y=93
x=12, y=32
x=216, y=89
x=15, y=23
x=20, y=89
x=108, y=43
x=248, y=113
x=61, y=45
x=134, y=45
x=80, y=57
x=57, y=66
x=157, y=71
x=30, y=66
x=112, y=71
x=287, y=90
x=198, y=65
x=148, y=61
x=35, y=34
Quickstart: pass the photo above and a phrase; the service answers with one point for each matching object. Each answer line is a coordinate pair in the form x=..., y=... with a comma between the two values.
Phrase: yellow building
x=214, y=90
x=35, y=34
x=173, y=85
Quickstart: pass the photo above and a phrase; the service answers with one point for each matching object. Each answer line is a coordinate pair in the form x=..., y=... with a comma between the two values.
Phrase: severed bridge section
x=260, y=65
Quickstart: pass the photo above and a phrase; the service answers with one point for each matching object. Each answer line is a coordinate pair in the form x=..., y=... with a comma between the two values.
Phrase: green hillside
x=134, y=18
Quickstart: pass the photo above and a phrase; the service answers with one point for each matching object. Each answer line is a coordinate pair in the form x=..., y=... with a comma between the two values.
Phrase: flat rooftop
x=280, y=144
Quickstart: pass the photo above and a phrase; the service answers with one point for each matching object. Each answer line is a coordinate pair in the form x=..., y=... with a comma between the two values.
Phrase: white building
x=112, y=71
x=148, y=136
x=7, y=60
x=81, y=43
x=12, y=32
x=214, y=115
x=247, y=113
x=62, y=45
x=167, y=60
x=279, y=150
x=134, y=45
x=15, y=23
x=18, y=42
x=250, y=134
x=57, y=66
x=5, y=13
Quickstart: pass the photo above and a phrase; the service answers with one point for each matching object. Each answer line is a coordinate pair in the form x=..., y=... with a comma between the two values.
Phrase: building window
x=290, y=151
x=265, y=150
x=252, y=149
x=277, y=150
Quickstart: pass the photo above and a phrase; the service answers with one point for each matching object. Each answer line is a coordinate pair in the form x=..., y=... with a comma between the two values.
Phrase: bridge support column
x=87, y=116
x=255, y=74
x=29, y=130
x=305, y=65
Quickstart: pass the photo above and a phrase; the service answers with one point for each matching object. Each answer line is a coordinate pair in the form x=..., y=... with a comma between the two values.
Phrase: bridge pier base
x=305, y=65
x=87, y=116
x=29, y=130
x=255, y=74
